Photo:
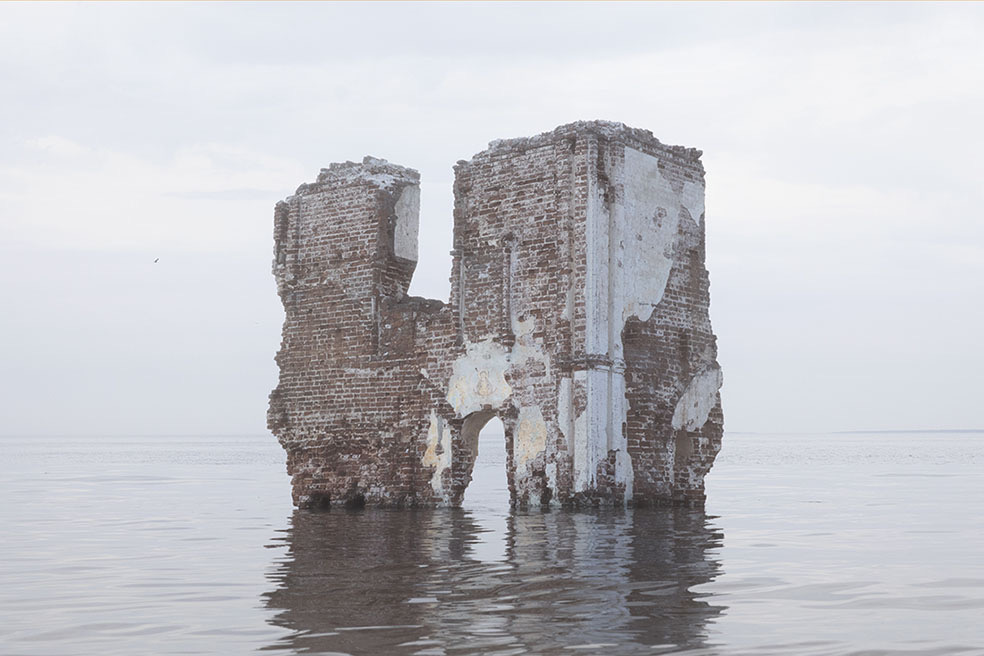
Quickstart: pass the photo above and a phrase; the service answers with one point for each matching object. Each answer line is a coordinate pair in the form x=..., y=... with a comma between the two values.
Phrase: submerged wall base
x=578, y=315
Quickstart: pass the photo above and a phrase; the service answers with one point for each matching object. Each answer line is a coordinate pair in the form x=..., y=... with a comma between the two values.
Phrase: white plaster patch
x=552, y=482
x=619, y=411
x=407, y=223
x=438, y=438
x=693, y=200
x=652, y=215
x=564, y=398
x=630, y=256
x=526, y=347
x=698, y=400
x=522, y=328
x=597, y=275
x=531, y=436
x=583, y=473
x=597, y=418
x=623, y=471
x=478, y=378
x=574, y=431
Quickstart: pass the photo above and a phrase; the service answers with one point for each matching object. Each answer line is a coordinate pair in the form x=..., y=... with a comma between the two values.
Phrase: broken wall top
x=372, y=171
x=606, y=130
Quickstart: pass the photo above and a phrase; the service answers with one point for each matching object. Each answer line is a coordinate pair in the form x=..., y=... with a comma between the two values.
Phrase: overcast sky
x=844, y=187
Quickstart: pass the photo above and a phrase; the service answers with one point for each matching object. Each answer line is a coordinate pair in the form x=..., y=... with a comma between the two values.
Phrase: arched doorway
x=487, y=496
x=489, y=487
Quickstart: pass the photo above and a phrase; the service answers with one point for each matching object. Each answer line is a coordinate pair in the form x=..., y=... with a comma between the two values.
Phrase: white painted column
x=591, y=445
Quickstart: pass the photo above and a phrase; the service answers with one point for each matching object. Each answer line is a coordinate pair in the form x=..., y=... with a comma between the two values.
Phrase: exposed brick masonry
x=578, y=314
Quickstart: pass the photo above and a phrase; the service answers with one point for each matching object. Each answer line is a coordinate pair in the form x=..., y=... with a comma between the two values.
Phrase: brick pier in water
x=578, y=315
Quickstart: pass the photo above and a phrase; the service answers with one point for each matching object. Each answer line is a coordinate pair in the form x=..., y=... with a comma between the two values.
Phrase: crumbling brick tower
x=578, y=314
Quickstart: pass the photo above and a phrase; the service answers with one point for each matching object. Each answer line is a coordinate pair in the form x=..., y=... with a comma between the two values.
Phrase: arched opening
x=489, y=487
x=487, y=495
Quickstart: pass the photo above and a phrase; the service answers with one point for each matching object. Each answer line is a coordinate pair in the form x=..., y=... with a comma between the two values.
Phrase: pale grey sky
x=842, y=144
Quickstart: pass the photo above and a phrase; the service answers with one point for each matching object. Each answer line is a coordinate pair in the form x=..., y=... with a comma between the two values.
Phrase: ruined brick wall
x=578, y=314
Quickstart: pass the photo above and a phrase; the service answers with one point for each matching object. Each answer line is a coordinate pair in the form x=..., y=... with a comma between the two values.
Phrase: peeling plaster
x=652, y=215
x=630, y=256
x=438, y=453
x=625, y=227
x=623, y=471
x=478, y=378
x=619, y=409
x=631, y=252
x=407, y=223
x=531, y=436
x=584, y=475
x=693, y=200
x=526, y=346
x=698, y=400
x=583, y=471
x=552, y=482
x=523, y=328
x=564, y=398
x=597, y=438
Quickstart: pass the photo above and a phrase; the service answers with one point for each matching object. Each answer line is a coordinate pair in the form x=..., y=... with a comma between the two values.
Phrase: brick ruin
x=578, y=315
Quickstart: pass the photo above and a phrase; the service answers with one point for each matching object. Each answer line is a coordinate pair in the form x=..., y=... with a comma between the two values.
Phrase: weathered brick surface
x=578, y=314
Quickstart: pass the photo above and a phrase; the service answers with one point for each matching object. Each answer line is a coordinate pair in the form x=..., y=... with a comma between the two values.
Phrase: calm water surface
x=810, y=544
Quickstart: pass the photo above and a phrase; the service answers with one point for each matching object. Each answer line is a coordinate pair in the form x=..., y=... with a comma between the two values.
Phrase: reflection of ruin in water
x=411, y=582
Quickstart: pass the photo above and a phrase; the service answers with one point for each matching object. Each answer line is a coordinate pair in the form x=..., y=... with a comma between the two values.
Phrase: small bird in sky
x=156, y=259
